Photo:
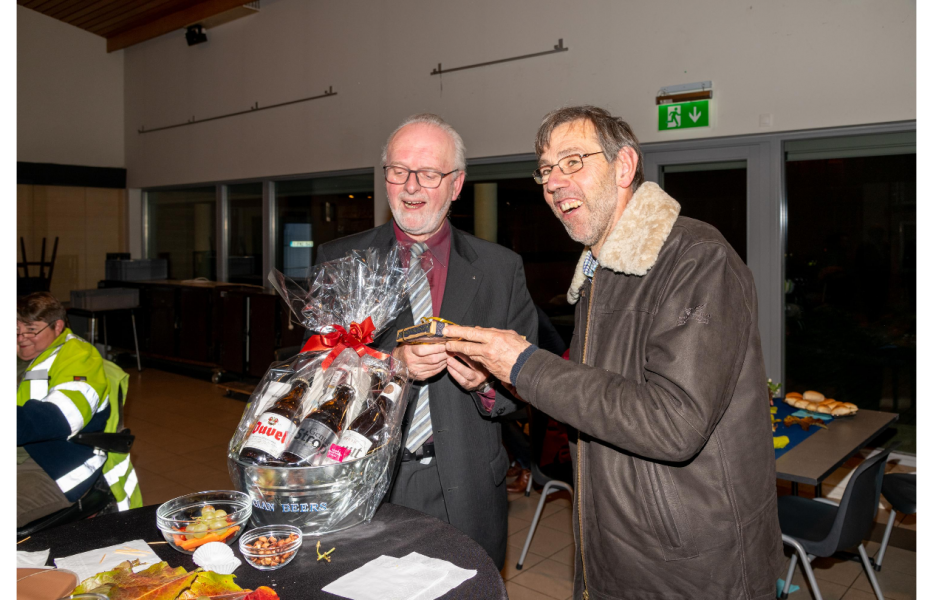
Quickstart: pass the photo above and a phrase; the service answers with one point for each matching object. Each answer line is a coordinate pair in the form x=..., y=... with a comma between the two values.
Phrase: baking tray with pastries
x=818, y=403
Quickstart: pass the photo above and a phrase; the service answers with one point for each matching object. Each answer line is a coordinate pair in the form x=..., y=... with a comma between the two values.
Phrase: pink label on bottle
x=338, y=453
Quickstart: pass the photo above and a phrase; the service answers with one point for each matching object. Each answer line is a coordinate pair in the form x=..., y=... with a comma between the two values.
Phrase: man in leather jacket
x=675, y=491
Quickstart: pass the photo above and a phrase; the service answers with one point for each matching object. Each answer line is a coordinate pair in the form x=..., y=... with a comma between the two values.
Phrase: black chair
x=26, y=284
x=98, y=499
x=900, y=489
x=821, y=528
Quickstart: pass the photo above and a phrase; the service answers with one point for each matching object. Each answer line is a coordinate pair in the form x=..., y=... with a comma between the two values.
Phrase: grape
x=197, y=530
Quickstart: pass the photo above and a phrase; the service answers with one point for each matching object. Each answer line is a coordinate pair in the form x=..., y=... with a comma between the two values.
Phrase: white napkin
x=31, y=560
x=415, y=577
x=454, y=576
x=92, y=562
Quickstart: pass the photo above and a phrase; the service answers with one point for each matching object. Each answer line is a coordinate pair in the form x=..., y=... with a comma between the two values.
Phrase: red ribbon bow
x=340, y=339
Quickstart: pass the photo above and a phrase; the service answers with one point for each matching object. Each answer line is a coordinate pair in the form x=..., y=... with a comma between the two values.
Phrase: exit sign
x=683, y=115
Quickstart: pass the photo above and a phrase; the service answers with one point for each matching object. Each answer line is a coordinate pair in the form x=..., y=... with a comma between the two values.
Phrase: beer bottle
x=319, y=429
x=366, y=429
x=275, y=428
x=380, y=377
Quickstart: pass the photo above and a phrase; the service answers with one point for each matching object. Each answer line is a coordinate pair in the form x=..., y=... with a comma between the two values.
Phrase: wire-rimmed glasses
x=427, y=178
x=31, y=334
x=567, y=165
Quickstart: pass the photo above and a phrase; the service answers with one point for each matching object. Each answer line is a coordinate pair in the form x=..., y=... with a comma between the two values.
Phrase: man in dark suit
x=453, y=463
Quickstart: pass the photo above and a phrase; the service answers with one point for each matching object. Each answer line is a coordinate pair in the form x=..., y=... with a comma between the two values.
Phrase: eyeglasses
x=426, y=178
x=31, y=334
x=569, y=164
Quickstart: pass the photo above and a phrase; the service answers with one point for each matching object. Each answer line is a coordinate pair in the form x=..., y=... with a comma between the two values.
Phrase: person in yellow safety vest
x=64, y=390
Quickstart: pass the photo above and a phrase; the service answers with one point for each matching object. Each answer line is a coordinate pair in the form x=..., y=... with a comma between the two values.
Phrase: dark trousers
x=418, y=486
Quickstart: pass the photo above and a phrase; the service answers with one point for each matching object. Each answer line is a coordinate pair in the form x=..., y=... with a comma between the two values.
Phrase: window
x=850, y=267
x=182, y=229
x=310, y=212
x=714, y=193
x=244, y=256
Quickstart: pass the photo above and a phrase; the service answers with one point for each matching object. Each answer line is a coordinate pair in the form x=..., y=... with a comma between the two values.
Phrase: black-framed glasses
x=567, y=165
x=31, y=334
x=426, y=178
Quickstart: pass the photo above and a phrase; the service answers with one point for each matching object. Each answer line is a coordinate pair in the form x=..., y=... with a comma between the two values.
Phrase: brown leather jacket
x=674, y=474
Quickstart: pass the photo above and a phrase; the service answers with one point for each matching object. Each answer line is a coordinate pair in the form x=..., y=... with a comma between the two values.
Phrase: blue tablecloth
x=794, y=432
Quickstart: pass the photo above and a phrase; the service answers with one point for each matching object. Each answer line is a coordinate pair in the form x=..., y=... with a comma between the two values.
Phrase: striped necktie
x=420, y=298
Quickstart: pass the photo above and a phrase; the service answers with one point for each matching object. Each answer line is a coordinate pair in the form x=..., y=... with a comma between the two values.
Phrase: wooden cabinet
x=233, y=328
x=194, y=324
x=292, y=333
x=262, y=333
x=161, y=318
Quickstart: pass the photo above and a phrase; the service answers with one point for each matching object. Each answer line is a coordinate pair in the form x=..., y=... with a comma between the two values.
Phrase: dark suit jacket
x=485, y=287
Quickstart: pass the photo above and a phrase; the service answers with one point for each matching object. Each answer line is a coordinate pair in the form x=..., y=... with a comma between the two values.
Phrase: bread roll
x=813, y=396
x=812, y=406
x=795, y=402
x=823, y=408
x=793, y=395
x=841, y=411
x=850, y=405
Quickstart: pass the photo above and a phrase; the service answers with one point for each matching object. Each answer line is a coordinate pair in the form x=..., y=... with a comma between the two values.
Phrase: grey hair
x=435, y=120
x=612, y=132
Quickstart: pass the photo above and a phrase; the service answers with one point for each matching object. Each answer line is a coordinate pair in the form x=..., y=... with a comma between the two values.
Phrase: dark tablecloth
x=394, y=531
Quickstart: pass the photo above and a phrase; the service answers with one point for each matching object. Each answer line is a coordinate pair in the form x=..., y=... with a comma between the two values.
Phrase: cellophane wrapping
x=338, y=490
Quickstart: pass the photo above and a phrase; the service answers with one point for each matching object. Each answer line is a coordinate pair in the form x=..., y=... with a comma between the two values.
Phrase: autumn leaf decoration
x=804, y=422
x=161, y=582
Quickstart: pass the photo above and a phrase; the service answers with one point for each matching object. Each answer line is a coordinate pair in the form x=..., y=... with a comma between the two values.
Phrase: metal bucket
x=317, y=500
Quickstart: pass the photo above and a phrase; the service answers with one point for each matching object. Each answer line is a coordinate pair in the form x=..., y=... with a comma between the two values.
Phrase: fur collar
x=636, y=239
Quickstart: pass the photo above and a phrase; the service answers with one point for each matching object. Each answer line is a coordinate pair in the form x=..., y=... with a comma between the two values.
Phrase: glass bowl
x=186, y=526
x=280, y=545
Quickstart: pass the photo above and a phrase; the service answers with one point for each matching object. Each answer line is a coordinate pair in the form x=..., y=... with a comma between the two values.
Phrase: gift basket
x=317, y=443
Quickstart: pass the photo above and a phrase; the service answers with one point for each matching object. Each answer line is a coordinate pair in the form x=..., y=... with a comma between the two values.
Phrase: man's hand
x=495, y=349
x=469, y=374
x=423, y=360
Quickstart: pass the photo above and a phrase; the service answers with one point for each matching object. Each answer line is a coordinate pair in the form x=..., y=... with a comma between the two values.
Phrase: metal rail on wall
x=558, y=47
x=255, y=108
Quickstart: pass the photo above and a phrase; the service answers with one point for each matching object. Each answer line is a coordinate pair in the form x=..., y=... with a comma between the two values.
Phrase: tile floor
x=182, y=427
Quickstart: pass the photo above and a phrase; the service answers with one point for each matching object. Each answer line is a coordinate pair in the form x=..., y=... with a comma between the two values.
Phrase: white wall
x=69, y=94
x=808, y=64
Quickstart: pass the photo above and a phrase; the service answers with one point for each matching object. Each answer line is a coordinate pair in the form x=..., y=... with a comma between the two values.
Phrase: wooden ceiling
x=127, y=22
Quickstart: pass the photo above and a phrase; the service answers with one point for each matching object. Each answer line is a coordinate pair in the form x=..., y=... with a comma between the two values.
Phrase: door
x=727, y=187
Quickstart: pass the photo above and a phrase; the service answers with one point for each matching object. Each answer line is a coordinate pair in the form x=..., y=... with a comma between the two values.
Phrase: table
x=92, y=316
x=394, y=531
x=816, y=457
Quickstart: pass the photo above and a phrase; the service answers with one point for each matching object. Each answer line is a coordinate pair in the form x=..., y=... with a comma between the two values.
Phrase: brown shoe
x=514, y=471
x=519, y=485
